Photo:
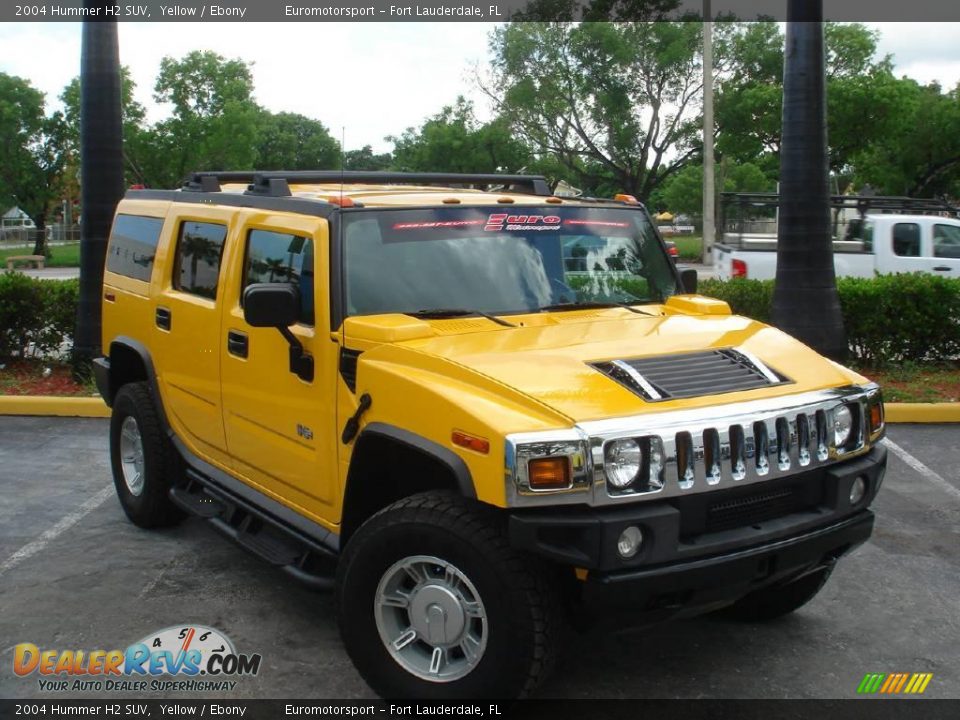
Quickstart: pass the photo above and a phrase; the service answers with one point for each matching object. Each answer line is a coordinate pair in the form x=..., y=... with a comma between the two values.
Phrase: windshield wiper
x=593, y=305
x=458, y=312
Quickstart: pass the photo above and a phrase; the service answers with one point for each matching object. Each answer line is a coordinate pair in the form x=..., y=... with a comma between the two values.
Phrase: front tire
x=435, y=604
x=779, y=600
x=142, y=459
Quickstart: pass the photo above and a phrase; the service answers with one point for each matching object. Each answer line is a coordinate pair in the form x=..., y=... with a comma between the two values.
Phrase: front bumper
x=712, y=547
x=101, y=373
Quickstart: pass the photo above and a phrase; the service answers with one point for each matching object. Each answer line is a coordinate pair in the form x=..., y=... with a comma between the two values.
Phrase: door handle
x=237, y=343
x=164, y=318
x=942, y=268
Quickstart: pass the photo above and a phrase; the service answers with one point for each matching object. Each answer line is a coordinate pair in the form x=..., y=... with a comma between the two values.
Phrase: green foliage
x=683, y=192
x=36, y=316
x=750, y=298
x=288, y=141
x=32, y=152
x=365, y=159
x=893, y=318
x=889, y=319
x=614, y=103
x=454, y=141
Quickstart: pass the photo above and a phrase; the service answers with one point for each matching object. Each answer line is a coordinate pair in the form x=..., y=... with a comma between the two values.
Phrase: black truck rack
x=277, y=183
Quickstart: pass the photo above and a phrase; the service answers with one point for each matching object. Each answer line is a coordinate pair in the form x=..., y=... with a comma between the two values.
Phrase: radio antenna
x=343, y=150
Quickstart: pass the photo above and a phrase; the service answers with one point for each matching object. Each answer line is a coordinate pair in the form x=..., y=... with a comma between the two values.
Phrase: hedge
x=889, y=318
x=37, y=317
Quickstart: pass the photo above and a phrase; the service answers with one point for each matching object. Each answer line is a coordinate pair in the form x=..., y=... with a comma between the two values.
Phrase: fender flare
x=441, y=454
x=141, y=350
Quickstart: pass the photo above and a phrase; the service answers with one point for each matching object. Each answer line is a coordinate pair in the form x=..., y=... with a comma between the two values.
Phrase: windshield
x=488, y=260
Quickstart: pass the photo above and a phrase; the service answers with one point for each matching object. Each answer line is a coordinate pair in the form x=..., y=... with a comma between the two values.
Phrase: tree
x=32, y=154
x=920, y=155
x=805, y=300
x=860, y=104
x=454, y=141
x=133, y=116
x=683, y=193
x=214, y=123
x=101, y=169
x=616, y=104
x=288, y=141
x=365, y=159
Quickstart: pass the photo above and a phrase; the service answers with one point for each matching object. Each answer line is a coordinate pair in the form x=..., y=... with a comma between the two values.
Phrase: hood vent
x=669, y=377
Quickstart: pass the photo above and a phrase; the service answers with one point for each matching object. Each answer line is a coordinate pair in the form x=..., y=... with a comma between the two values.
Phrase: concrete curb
x=55, y=406
x=923, y=412
x=95, y=407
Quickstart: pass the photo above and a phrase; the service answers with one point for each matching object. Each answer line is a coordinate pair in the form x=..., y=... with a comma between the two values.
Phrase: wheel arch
x=389, y=463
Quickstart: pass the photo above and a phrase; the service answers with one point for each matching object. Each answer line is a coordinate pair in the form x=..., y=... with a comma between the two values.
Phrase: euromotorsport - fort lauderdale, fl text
x=395, y=11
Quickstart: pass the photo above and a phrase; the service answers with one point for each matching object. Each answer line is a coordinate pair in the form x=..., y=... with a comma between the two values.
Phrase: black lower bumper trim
x=101, y=373
x=692, y=587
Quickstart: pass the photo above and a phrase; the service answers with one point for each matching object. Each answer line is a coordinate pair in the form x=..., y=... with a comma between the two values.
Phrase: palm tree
x=101, y=174
x=805, y=299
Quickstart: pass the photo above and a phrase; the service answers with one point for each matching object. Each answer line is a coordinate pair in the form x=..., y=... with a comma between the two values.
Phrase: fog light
x=630, y=541
x=858, y=490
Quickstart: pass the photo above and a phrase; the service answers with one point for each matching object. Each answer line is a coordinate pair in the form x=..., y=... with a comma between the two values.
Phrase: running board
x=305, y=559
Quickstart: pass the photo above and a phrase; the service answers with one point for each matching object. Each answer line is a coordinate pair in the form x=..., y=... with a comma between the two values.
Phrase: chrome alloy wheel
x=131, y=455
x=430, y=618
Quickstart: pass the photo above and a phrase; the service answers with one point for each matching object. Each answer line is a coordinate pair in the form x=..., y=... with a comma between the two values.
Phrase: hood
x=583, y=369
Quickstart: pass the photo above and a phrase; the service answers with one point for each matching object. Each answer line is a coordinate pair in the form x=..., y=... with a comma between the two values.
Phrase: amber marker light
x=551, y=473
x=470, y=442
x=623, y=197
x=876, y=416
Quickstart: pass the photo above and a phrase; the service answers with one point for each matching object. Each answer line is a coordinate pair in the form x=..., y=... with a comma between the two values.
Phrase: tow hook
x=352, y=427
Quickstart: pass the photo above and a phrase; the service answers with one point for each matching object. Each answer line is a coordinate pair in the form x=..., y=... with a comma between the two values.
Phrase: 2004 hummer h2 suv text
x=474, y=410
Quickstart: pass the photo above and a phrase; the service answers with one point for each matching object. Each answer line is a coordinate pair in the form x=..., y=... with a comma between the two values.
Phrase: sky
x=364, y=81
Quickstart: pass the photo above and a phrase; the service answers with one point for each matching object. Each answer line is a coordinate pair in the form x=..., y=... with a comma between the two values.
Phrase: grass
x=690, y=247
x=60, y=255
x=911, y=382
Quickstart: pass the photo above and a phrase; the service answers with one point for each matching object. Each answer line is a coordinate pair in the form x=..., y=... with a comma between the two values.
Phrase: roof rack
x=863, y=203
x=277, y=183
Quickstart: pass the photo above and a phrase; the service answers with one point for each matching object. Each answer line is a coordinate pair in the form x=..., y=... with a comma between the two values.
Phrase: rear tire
x=779, y=600
x=435, y=604
x=142, y=458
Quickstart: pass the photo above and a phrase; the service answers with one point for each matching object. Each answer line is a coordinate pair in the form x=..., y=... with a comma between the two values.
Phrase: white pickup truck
x=887, y=244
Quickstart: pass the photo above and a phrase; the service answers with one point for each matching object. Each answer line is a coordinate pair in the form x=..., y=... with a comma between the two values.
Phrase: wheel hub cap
x=430, y=618
x=131, y=455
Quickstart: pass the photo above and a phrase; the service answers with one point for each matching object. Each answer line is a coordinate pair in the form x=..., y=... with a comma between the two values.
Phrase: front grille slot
x=690, y=374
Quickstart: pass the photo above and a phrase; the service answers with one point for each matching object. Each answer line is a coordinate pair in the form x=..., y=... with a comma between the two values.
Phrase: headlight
x=842, y=425
x=622, y=460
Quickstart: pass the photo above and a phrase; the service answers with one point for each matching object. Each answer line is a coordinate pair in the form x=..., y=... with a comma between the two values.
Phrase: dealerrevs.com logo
x=199, y=657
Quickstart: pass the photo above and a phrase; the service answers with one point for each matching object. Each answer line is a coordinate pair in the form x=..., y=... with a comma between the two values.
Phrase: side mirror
x=688, y=278
x=271, y=305
x=277, y=305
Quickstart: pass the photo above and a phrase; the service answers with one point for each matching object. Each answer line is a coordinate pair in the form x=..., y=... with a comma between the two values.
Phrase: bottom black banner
x=873, y=709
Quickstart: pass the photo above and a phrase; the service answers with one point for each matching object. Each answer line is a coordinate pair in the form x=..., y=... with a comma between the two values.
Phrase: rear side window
x=133, y=245
x=274, y=257
x=906, y=239
x=199, y=249
x=946, y=241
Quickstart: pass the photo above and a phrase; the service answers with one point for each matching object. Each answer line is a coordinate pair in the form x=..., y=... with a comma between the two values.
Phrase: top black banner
x=479, y=11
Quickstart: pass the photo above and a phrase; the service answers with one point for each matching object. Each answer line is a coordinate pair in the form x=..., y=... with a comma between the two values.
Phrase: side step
x=306, y=560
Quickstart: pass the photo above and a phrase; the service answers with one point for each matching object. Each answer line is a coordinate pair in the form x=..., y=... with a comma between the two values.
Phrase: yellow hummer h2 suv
x=474, y=410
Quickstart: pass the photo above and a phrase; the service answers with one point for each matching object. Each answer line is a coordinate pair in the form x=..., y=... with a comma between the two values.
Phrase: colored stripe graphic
x=894, y=683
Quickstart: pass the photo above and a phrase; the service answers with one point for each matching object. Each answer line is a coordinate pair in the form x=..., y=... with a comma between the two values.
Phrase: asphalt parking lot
x=74, y=573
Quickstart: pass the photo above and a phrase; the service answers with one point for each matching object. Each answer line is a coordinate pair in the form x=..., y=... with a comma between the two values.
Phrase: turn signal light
x=876, y=416
x=624, y=198
x=551, y=473
x=470, y=442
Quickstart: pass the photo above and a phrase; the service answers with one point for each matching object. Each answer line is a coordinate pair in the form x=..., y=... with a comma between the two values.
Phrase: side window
x=199, y=249
x=274, y=257
x=946, y=241
x=868, y=236
x=133, y=245
x=906, y=239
